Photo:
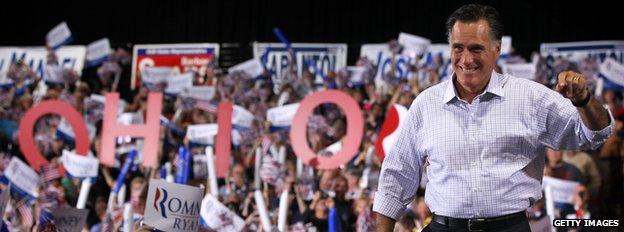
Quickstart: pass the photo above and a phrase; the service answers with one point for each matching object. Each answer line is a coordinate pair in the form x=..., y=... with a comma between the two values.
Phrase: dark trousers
x=437, y=227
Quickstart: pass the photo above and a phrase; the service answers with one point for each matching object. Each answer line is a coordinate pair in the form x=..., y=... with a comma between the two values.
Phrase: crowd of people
x=330, y=200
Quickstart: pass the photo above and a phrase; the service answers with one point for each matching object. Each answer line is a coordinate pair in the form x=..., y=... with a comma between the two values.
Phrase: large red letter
x=350, y=142
x=150, y=131
x=223, y=141
x=26, y=141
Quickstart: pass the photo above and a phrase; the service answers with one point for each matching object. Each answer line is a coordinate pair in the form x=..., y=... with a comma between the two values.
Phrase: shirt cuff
x=388, y=205
x=596, y=138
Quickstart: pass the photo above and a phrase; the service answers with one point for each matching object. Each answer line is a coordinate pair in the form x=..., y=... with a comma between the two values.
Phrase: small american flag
x=207, y=106
x=50, y=172
x=25, y=212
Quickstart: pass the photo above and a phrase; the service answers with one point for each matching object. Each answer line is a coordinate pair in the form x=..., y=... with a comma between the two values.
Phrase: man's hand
x=572, y=85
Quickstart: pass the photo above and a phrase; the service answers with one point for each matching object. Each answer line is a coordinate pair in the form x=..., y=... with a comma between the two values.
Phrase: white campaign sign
x=241, y=117
x=218, y=217
x=177, y=83
x=562, y=190
x=526, y=70
x=282, y=116
x=98, y=51
x=613, y=71
x=202, y=133
x=252, y=67
x=356, y=74
x=204, y=93
x=78, y=165
x=155, y=75
x=22, y=176
x=577, y=51
x=505, y=45
x=333, y=148
x=54, y=74
x=381, y=56
x=58, y=36
x=321, y=57
x=413, y=45
x=173, y=207
x=69, y=57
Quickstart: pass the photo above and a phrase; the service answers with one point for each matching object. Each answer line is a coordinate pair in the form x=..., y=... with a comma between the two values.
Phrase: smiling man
x=483, y=136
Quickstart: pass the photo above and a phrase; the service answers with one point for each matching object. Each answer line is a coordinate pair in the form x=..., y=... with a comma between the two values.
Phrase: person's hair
x=474, y=13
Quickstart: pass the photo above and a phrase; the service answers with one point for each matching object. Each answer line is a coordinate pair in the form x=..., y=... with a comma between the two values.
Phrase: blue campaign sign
x=319, y=58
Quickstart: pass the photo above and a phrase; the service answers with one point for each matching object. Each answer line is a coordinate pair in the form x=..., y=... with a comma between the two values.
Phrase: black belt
x=481, y=224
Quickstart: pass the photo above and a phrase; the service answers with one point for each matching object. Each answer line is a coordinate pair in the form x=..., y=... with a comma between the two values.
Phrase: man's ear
x=497, y=46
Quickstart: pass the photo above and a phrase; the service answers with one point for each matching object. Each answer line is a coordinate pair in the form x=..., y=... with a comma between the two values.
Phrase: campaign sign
x=282, y=116
x=58, y=36
x=319, y=58
x=381, y=56
x=252, y=67
x=526, y=70
x=69, y=219
x=80, y=166
x=181, y=57
x=613, y=71
x=576, y=51
x=98, y=51
x=173, y=207
x=218, y=217
x=562, y=190
x=21, y=175
x=69, y=57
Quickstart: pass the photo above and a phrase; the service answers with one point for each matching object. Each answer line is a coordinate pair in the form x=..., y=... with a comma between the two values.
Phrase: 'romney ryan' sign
x=173, y=207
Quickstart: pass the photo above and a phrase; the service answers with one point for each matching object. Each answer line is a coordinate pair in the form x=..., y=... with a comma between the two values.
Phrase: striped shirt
x=483, y=159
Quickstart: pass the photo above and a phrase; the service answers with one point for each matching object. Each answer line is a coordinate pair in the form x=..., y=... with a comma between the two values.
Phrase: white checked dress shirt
x=484, y=159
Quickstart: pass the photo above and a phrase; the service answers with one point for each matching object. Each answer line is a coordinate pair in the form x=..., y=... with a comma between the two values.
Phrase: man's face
x=473, y=53
x=553, y=156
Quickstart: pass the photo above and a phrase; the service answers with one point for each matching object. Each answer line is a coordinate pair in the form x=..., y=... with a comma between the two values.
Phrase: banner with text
x=181, y=57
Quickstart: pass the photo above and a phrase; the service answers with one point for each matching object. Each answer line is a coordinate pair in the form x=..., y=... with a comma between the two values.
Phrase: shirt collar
x=493, y=87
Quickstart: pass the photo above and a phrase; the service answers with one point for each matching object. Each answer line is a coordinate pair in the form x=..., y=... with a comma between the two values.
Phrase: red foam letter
x=27, y=144
x=350, y=142
x=150, y=131
x=223, y=140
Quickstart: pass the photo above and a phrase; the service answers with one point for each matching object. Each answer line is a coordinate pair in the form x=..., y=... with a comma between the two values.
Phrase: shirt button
x=474, y=163
x=474, y=139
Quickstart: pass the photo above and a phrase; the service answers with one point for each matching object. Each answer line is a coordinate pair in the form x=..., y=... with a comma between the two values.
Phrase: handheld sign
x=23, y=177
x=98, y=51
x=68, y=219
x=58, y=36
x=218, y=217
x=173, y=207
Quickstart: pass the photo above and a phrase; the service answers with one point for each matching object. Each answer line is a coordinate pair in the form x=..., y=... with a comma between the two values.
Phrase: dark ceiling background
x=240, y=22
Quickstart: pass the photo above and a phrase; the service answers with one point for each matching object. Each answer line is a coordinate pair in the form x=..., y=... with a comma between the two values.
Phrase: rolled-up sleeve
x=401, y=170
x=563, y=127
x=597, y=138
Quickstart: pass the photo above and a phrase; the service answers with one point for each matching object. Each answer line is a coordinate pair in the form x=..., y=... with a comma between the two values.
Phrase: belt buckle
x=476, y=224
